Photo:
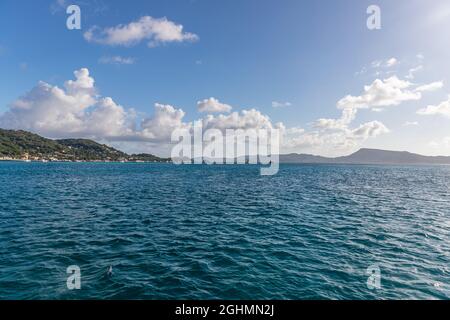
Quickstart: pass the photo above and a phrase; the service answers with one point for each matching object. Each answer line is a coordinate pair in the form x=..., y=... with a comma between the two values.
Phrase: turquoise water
x=207, y=232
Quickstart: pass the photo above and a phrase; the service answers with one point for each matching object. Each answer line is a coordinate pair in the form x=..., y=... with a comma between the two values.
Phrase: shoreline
x=79, y=161
x=216, y=164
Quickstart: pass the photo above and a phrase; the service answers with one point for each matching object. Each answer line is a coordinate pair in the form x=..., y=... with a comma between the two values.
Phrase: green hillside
x=20, y=144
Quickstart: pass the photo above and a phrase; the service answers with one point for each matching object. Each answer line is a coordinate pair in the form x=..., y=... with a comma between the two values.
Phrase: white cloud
x=412, y=72
x=348, y=115
x=116, y=60
x=332, y=142
x=108, y=120
x=381, y=93
x=246, y=119
x=212, y=105
x=74, y=110
x=430, y=87
x=442, y=109
x=84, y=83
x=369, y=129
x=391, y=62
x=154, y=30
x=77, y=110
x=160, y=126
x=276, y=104
x=334, y=136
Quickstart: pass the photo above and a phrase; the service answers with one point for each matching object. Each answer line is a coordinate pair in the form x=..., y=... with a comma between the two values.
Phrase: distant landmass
x=23, y=145
x=368, y=156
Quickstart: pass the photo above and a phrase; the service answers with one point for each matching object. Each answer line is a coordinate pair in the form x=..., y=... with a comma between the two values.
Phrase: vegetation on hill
x=16, y=143
x=84, y=149
x=26, y=145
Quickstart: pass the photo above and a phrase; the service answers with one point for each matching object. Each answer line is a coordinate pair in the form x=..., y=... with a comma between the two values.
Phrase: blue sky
x=305, y=56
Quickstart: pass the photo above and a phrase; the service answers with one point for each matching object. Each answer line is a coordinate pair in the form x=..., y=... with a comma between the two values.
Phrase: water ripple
x=223, y=232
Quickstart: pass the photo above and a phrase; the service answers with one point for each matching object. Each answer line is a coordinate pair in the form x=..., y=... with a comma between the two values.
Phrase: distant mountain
x=368, y=156
x=22, y=145
x=303, y=158
x=26, y=145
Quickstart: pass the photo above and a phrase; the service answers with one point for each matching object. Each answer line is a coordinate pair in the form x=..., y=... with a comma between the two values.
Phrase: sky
x=137, y=70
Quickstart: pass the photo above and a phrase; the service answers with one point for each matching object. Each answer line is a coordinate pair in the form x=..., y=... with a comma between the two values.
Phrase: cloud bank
x=77, y=110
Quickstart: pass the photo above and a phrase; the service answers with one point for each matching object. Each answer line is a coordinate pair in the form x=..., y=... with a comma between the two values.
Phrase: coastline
x=80, y=161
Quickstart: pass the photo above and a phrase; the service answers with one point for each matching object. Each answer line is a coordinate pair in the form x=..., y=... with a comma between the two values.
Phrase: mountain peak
x=368, y=156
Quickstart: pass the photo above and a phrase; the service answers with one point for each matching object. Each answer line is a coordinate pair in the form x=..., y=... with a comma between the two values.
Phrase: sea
x=164, y=231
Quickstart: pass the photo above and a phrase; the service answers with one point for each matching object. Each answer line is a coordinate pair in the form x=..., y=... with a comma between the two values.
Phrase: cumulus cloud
x=276, y=104
x=77, y=110
x=348, y=115
x=388, y=92
x=442, y=109
x=246, y=119
x=154, y=30
x=117, y=60
x=332, y=142
x=333, y=136
x=212, y=105
x=159, y=127
x=369, y=129
x=340, y=135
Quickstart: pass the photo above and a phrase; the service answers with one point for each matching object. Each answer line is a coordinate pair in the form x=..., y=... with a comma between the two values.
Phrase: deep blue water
x=207, y=232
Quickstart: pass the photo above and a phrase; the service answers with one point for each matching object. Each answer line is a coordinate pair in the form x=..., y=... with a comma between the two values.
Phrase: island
x=26, y=146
